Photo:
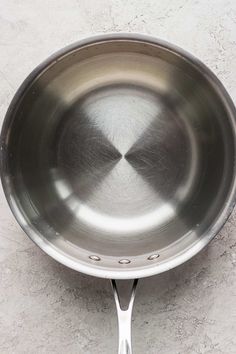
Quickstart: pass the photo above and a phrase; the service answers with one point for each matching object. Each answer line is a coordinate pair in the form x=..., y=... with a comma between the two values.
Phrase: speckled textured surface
x=47, y=308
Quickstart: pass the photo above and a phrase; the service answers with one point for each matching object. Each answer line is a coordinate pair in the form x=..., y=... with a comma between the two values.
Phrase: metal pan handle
x=124, y=318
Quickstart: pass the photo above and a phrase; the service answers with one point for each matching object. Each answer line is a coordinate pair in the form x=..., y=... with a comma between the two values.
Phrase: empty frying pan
x=118, y=159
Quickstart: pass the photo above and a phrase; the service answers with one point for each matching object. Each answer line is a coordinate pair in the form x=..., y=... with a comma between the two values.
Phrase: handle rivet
x=124, y=261
x=153, y=256
x=95, y=258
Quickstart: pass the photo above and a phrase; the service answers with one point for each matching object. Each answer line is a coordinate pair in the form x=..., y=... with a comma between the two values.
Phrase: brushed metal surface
x=117, y=149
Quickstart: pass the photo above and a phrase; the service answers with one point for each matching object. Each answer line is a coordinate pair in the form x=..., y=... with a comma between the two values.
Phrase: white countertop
x=47, y=308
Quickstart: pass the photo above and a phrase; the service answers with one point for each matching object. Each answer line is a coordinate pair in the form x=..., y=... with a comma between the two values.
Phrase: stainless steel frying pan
x=118, y=159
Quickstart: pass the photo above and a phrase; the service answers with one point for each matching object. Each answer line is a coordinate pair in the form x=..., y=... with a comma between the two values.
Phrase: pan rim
x=93, y=269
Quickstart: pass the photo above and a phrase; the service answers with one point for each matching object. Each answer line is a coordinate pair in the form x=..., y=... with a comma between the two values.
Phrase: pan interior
x=120, y=150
